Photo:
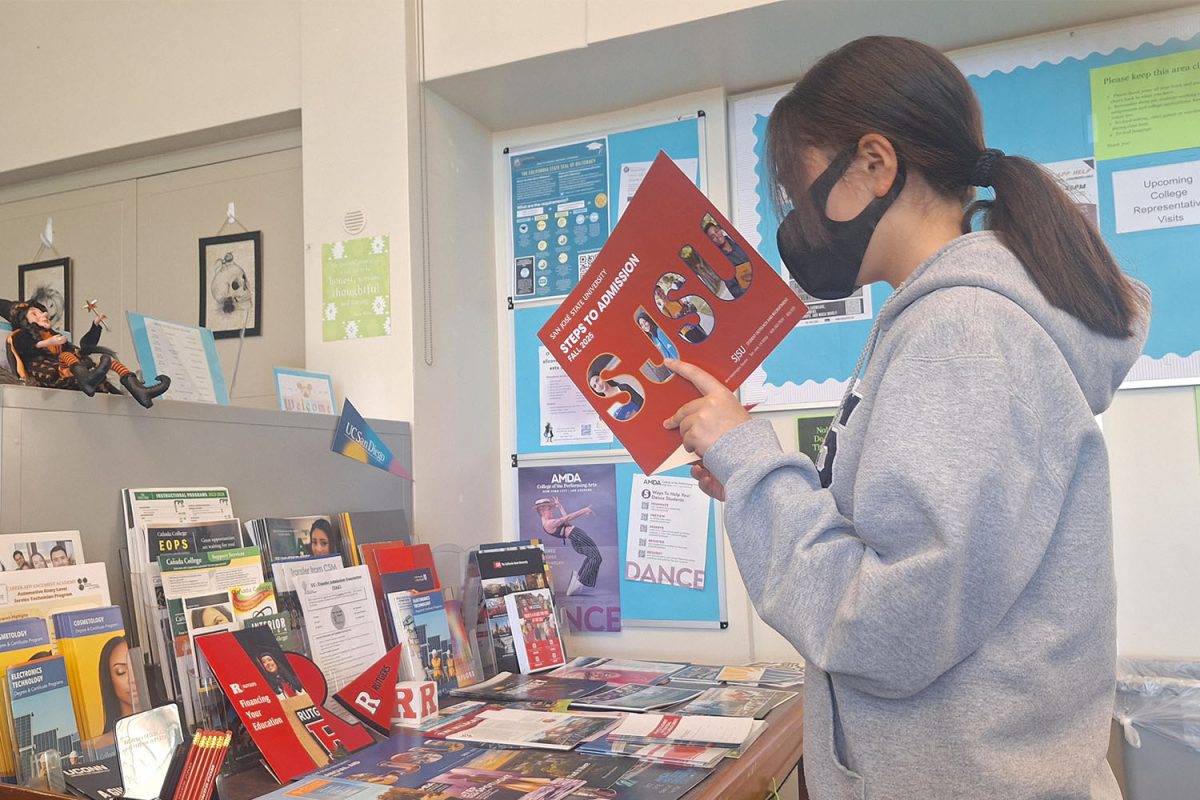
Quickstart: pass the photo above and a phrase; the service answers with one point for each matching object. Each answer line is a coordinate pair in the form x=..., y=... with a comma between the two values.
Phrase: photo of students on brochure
x=305, y=537
x=285, y=722
x=573, y=511
x=40, y=550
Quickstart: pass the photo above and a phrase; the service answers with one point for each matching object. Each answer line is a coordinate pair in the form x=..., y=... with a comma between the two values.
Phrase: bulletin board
x=558, y=182
x=1046, y=99
x=609, y=501
x=625, y=151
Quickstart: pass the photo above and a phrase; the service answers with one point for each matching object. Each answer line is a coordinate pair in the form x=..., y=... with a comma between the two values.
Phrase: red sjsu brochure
x=675, y=280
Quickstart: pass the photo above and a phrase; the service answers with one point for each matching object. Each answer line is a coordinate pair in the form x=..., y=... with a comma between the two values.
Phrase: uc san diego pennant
x=356, y=439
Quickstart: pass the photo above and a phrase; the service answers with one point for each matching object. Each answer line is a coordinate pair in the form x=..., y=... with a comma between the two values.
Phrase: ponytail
x=1059, y=246
x=922, y=103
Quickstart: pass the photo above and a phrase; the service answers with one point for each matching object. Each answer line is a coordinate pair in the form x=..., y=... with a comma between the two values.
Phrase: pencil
x=202, y=753
x=188, y=765
x=214, y=766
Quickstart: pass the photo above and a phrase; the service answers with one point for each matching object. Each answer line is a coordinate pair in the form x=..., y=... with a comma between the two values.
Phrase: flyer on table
x=663, y=287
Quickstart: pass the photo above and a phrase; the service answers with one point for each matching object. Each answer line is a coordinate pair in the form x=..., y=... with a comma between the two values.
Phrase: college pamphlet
x=39, y=696
x=20, y=641
x=290, y=728
x=674, y=280
x=341, y=623
x=534, y=630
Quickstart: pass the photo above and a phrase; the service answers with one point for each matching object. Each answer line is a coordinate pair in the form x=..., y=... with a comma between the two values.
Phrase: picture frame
x=231, y=284
x=48, y=283
x=301, y=390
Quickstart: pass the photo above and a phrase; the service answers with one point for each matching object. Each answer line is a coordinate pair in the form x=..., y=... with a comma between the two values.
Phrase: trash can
x=1158, y=706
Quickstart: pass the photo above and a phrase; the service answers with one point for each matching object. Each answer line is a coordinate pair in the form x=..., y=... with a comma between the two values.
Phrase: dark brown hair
x=922, y=103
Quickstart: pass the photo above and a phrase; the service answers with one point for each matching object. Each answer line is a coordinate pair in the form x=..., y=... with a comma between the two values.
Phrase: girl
x=561, y=525
x=117, y=689
x=661, y=342
x=946, y=566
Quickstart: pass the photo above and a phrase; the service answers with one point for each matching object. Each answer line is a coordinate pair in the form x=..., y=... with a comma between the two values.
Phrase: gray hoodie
x=952, y=589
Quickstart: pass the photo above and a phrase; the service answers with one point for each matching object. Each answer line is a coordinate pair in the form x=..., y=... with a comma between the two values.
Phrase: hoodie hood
x=1098, y=362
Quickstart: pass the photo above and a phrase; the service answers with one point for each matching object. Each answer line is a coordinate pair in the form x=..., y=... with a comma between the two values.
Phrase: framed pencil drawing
x=48, y=283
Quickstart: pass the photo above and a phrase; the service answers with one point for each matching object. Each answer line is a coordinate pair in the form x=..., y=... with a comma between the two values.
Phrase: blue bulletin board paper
x=1044, y=112
x=1041, y=111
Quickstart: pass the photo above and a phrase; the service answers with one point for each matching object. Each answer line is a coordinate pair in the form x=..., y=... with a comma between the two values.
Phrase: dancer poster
x=674, y=281
x=573, y=511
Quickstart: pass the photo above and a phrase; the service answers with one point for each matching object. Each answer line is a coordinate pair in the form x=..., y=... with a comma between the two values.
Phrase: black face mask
x=830, y=272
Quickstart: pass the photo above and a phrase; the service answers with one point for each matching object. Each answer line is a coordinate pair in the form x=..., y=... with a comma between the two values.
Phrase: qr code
x=585, y=261
x=585, y=429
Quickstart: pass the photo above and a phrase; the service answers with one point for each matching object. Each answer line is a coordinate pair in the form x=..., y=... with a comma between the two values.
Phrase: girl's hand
x=708, y=484
x=704, y=420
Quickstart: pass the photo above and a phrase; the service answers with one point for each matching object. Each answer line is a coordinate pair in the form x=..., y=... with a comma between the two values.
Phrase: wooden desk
x=767, y=763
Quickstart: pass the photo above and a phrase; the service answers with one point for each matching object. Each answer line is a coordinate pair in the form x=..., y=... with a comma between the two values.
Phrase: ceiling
x=753, y=48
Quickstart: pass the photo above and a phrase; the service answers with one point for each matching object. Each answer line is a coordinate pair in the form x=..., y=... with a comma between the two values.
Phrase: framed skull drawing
x=231, y=284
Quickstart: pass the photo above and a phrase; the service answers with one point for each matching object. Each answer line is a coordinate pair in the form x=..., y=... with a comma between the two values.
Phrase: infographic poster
x=560, y=216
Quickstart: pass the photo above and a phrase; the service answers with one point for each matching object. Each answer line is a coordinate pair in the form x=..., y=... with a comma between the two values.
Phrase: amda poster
x=573, y=511
x=356, y=289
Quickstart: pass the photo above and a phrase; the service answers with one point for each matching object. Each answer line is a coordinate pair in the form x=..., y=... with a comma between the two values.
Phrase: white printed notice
x=566, y=417
x=668, y=532
x=179, y=352
x=633, y=172
x=342, y=623
x=1157, y=197
x=1078, y=177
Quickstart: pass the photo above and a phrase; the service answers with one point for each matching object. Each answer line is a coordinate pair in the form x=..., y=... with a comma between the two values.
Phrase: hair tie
x=981, y=174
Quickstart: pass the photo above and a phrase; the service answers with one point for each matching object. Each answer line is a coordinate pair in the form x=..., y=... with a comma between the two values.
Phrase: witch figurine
x=44, y=357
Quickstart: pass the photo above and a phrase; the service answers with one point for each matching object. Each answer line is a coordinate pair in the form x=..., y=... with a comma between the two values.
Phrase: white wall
x=456, y=442
x=356, y=102
x=1155, y=460
x=80, y=77
x=467, y=35
x=176, y=209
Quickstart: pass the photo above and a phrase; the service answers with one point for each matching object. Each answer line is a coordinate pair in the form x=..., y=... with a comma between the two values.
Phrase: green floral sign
x=356, y=295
